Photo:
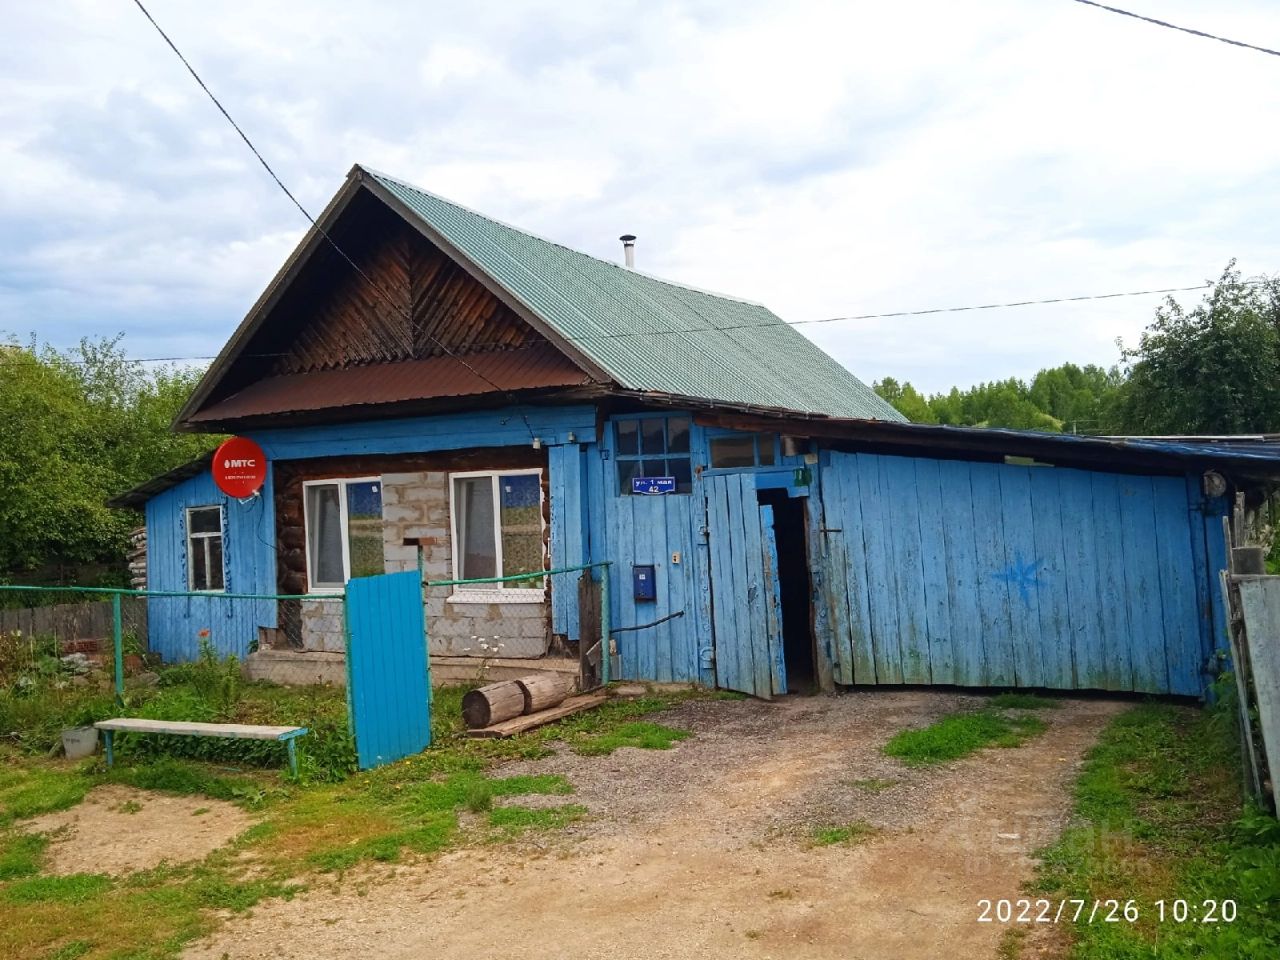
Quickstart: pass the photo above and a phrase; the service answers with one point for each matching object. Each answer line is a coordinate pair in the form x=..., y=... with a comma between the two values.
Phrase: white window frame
x=326, y=589
x=205, y=537
x=494, y=592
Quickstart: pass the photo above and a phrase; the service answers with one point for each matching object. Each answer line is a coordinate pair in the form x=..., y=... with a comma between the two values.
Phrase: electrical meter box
x=643, y=583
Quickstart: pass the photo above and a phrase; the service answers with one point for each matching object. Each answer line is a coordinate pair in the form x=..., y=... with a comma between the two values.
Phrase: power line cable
x=797, y=323
x=1174, y=26
x=312, y=220
x=894, y=314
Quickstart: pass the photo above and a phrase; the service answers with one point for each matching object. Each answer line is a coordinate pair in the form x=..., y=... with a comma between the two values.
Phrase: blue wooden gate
x=985, y=574
x=745, y=619
x=388, y=679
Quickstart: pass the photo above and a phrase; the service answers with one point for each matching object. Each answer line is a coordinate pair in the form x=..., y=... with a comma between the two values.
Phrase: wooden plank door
x=388, y=679
x=741, y=591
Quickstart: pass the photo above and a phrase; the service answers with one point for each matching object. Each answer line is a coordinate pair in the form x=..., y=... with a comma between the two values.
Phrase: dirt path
x=703, y=851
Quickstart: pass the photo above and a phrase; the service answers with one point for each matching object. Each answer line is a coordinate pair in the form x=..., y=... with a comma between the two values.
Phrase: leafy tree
x=76, y=428
x=1212, y=369
x=906, y=399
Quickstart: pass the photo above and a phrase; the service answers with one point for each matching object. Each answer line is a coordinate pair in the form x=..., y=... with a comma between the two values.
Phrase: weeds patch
x=848, y=833
x=515, y=820
x=1158, y=817
x=76, y=888
x=646, y=736
x=961, y=734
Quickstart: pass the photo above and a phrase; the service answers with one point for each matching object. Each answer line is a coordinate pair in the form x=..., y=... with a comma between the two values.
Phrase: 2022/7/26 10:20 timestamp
x=1025, y=910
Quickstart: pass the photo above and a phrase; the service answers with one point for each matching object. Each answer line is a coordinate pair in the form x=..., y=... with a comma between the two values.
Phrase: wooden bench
x=181, y=728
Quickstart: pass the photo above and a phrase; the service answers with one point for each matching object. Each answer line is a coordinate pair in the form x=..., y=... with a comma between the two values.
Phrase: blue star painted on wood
x=1025, y=575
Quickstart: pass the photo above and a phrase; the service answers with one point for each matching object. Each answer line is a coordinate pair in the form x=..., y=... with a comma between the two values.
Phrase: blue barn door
x=745, y=621
x=388, y=683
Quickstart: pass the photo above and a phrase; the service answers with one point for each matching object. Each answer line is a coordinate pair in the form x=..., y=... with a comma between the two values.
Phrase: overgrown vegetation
x=1168, y=383
x=960, y=734
x=845, y=833
x=1158, y=817
x=326, y=824
x=77, y=427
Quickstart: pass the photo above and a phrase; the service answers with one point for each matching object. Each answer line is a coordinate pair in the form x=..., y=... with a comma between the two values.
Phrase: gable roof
x=644, y=334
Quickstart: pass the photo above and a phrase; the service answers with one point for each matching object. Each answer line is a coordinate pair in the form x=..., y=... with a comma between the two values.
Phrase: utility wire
x=798, y=323
x=312, y=220
x=1174, y=26
x=896, y=313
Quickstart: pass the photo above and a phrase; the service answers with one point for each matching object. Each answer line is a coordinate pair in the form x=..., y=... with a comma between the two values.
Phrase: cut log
x=541, y=691
x=492, y=703
x=509, y=728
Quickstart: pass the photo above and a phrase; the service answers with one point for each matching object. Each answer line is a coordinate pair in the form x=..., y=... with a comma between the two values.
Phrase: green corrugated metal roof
x=650, y=334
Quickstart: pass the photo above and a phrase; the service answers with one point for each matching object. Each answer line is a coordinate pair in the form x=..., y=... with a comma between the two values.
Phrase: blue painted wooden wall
x=248, y=530
x=980, y=574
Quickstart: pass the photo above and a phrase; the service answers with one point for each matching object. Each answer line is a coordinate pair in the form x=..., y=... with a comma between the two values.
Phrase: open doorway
x=789, y=529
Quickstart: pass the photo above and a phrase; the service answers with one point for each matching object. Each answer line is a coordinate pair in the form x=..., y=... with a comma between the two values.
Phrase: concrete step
x=298, y=668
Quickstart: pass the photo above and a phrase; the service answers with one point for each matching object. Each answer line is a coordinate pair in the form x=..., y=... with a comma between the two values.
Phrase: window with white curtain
x=498, y=531
x=343, y=520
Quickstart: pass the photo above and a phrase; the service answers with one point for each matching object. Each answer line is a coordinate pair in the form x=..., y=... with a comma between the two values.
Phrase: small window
x=653, y=447
x=204, y=549
x=498, y=532
x=343, y=520
x=744, y=450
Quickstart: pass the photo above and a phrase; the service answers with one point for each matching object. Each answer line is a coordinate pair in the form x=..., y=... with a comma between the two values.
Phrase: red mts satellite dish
x=239, y=467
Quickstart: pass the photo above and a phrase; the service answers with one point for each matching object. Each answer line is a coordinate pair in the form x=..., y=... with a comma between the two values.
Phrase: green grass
x=1024, y=701
x=510, y=821
x=960, y=734
x=326, y=823
x=1158, y=816
x=76, y=888
x=846, y=833
x=647, y=736
x=21, y=853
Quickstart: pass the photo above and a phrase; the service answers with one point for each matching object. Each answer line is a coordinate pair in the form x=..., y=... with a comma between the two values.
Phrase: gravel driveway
x=705, y=850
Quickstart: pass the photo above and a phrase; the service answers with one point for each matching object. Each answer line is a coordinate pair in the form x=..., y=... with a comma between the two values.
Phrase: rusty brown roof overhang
x=535, y=368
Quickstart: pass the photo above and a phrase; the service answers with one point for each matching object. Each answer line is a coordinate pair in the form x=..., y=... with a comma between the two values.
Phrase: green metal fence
x=90, y=627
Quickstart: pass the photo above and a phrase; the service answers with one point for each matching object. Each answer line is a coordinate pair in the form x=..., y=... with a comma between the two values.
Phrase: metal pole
x=117, y=632
x=606, y=628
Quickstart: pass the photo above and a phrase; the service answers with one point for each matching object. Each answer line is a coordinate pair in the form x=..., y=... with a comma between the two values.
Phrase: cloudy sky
x=824, y=158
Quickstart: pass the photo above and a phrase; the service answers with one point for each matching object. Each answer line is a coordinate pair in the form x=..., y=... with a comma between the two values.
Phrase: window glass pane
x=520, y=517
x=626, y=470
x=679, y=468
x=199, y=567
x=652, y=437
x=473, y=528
x=653, y=468
x=678, y=434
x=324, y=535
x=206, y=520
x=733, y=451
x=215, y=564
x=364, y=528
x=628, y=438
x=765, y=446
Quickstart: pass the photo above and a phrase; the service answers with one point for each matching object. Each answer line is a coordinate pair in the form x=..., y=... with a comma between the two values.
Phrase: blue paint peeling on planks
x=990, y=574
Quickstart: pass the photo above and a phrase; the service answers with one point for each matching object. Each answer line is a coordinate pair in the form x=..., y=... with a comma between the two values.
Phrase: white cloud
x=826, y=158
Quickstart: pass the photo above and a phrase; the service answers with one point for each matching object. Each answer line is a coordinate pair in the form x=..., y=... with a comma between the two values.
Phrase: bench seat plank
x=232, y=731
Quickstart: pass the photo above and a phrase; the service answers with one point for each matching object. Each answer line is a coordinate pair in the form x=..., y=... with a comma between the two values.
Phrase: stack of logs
x=497, y=702
x=138, y=559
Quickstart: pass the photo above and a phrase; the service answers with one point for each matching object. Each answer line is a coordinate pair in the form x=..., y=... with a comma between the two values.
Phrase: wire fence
x=91, y=630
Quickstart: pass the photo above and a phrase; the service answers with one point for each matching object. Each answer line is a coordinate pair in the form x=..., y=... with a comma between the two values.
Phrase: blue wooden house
x=424, y=377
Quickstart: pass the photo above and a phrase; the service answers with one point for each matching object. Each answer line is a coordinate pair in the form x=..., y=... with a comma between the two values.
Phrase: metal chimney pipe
x=629, y=249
